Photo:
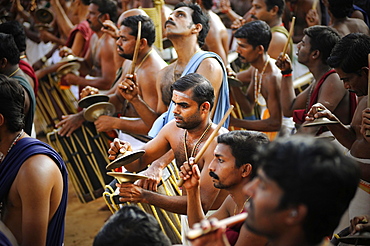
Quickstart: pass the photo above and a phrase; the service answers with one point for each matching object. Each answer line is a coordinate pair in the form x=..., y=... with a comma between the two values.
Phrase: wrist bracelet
x=287, y=75
x=288, y=71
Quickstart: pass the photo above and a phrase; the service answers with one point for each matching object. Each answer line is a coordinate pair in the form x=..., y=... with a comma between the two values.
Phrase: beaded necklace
x=11, y=146
x=236, y=206
x=258, y=82
x=195, y=148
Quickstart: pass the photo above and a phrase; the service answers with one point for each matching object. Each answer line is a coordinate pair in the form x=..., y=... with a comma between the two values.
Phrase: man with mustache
x=193, y=99
x=263, y=94
x=349, y=58
x=302, y=188
x=187, y=28
x=97, y=65
x=231, y=169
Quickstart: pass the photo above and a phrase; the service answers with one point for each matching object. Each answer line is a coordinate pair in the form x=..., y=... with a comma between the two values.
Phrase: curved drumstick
x=289, y=37
x=136, y=51
x=195, y=233
x=314, y=5
x=209, y=140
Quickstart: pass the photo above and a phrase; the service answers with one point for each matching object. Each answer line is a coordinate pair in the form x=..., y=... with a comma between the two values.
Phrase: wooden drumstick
x=368, y=95
x=195, y=233
x=136, y=51
x=314, y=5
x=209, y=140
x=289, y=37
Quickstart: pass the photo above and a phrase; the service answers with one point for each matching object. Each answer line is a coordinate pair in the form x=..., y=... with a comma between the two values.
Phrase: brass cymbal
x=126, y=177
x=44, y=15
x=93, y=112
x=329, y=138
x=70, y=58
x=234, y=81
x=71, y=67
x=125, y=158
x=320, y=122
x=362, y=238
x=92, y=99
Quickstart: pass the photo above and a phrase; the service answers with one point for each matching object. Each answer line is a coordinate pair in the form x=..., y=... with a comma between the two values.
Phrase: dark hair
x=340, y=8
x=107, y=7
x=314, y=173
x=8, y=49
x=256, y=32
x=272, y=3
x=198, y=16
x=202, y=89
x=133, y=227
x=207, y=4
x=322, y=38
x=244, y=145
x=350, y=53
x=85, y=2
x=17, y=31
x=147, y=27
x=12, y=103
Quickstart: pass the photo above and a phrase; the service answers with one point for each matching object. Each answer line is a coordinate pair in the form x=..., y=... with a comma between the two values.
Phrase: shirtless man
x=34, y=213
x=187, y=28
x=231, y=169
x=339, y=11
x=302, y=188
x=313, y=51
x=144, y=71
x=193, y=96
x=264, y=91
x=217, y=38
x=98, y=61
x=349, y=58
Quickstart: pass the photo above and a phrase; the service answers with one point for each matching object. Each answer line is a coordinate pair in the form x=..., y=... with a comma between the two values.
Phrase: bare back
x=350, y=25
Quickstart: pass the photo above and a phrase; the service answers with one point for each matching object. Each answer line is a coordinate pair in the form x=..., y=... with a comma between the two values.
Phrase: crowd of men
x=300, y=182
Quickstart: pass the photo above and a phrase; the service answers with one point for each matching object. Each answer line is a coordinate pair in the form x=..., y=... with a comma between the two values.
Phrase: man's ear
x=260, y=49
x=197, y=28
x=205, y=106
x=143, y=43
x=296, y=215
x=246, y=170
x=365, y=71
x=315, y=54
x=274, y=10
x=2, y=120
x=3, y=62
x=105, y=16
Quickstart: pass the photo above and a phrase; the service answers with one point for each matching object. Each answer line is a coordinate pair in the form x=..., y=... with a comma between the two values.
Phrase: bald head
x=130, y=12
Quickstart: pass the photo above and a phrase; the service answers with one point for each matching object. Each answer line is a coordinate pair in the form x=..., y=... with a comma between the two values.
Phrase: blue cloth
x=223, y=102
x=4, y=241
x=21, y=151
x=366, y=17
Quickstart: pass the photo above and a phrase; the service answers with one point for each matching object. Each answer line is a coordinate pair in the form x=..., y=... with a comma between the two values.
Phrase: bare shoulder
x=210, y=63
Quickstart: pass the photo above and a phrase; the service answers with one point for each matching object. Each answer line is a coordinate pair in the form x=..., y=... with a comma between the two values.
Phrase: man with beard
x=231, y=169
x=263, y=94
x=193, y=97
x=97, y=64
x=349, y=58
x=302, y=188
x=148, y=63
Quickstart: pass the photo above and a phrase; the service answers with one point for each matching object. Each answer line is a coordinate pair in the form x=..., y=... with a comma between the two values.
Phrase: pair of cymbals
x=126, y=177
x=44, y=15
x=70, y=58
x=96, y=106
x=71, y=67
x=321, y=122
x=125, y=158
x=234, y=82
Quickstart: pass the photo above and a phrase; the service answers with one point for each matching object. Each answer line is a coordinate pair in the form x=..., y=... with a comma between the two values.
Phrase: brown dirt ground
x=83, y=220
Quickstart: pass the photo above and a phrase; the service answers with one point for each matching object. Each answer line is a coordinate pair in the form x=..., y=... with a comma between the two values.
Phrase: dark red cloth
x=299, y=115
x=85, y=30
x=232, y=232
x=27, y=69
